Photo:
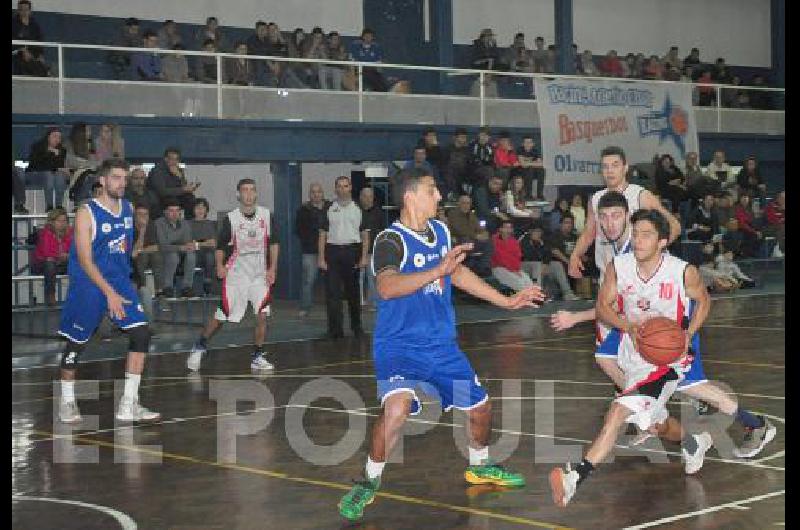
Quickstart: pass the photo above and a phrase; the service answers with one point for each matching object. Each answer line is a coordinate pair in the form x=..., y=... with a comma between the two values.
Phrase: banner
x=580, y=117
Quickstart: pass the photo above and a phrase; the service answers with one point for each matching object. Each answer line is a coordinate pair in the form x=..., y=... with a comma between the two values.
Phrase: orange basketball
x=660, y=341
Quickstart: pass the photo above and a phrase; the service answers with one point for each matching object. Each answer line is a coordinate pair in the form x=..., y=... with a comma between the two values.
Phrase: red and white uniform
x=246, y=280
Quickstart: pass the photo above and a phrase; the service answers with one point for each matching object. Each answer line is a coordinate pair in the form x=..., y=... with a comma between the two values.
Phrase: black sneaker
x=187, y=293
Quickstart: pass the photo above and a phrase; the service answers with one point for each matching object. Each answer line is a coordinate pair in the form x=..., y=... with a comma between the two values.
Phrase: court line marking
x=779, y=454
x=124, y=520
x=710, y=509
x=313, y=482
x=731, y=326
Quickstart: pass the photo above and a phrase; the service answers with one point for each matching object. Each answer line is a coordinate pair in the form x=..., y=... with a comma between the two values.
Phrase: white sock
x=374, y=469
x=131, y=386
x=478, y=456
x=68, y=391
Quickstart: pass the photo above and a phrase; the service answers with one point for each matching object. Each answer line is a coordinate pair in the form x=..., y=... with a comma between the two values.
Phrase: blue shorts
x=86, y=306
x=443, y=371
x=696, y=375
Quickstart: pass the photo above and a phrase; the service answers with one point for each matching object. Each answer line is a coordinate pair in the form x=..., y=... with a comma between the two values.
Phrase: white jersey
x=250, y=240
x=639, y=299
x=604, y=250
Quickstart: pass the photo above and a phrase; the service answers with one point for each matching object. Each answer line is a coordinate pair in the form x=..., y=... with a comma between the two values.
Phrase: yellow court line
x=312, y=482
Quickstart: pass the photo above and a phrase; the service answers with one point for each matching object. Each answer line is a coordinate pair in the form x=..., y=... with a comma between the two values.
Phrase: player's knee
x=139, y=339
x=69, y=359
x=397, y=407
x=483, y=409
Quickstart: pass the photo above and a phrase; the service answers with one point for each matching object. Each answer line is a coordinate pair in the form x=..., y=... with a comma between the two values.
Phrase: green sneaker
x=489, y=473
x=362, y=493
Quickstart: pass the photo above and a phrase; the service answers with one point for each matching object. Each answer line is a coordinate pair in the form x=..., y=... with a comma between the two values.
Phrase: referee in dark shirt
x=343, y=250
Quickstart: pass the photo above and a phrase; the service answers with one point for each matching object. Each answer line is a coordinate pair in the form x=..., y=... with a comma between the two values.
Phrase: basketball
x=660, y=341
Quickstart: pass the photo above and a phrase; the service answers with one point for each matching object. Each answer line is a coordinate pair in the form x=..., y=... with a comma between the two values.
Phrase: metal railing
x=220, y=98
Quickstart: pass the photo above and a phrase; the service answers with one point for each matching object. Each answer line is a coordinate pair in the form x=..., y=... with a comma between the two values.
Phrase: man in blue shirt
x=147, y=66
x=366, y=50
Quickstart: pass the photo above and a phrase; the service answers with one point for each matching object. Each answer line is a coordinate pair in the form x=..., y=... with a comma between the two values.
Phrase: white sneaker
x=261, y=363
x=133, y=411
x=68, y=412
x=693, y=463
x=195, y=357
x=563, y=483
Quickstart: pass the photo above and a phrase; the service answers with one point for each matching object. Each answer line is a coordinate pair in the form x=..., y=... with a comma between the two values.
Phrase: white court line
x=710, y=509
x=779, y=454
x=732, y=326
x=123, y=519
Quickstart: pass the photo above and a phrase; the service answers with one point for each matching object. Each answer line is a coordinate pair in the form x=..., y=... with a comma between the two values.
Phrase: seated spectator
x=315, y=47
x=479, y=260
x=485, y=54
x=750, y=180
x=670, y=182
x=578, y=212
x=489, y=87
x=693, y=59
x=47, y=168
x=23, y=25
x=514, y=205
x=441, y=213
x=419, y=161
x=238, y=70
x=671, y=73
x=175, y=66
x=632, y=67
x=518, y=57
x=552, y=59
x=611, y=65
x=17, y=185
x=588, y=67
x=489, y=204
x=531, y=167
x=146, y=254
x=457, y=174
x=652, y=68
x=30, y=62
x=482, y=158
x=204, y=234
x=168, y=36
x=724, y=263
x=462, y=221
x=129, y=37
x=366, y=50
x=259, y=44
x=437, y=158
x=775, y=214
x=332, y=75
x=743, y=212
x=719, y=169
x=52, y=251
x=505, y=159
x=760, y=99
x=702, y=226
x=560, y=210
x=109, y=143
x=210, y=31
x=715, y=280
x=698, y=184
x=80, y=150
x=296, y=44
x=723, y=210
x=730, y=96
x=562, y=241
x=720, y=73
x=174, y=236
x=146, y=65
x=706, y=93
x=507, y=259
x=538, y=262
x=139, y=194
x=205, y=66
x=167, y=180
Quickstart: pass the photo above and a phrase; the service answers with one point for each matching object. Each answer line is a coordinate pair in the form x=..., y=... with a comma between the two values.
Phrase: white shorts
x=646, y=411
x=236, y=295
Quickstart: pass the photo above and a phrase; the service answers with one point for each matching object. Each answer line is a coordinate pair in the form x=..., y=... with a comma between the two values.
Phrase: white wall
x=345, y=16
x=738, y=30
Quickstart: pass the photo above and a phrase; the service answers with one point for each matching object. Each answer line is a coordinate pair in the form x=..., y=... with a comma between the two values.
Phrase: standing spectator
x=282, y=74
x=204, y=234
x=343, y=249
x=175, y=67
x=518, y=57
x=507, y=259
x=168, y=181
x=775, y=214
x=23, y=25
x=672, y=58
x=514, y=204
x=702, y=225
x=750, y=180
x=587, y=65
x=168, y=35
x=47, y=168
x=560, y=211
x=720, y=73
x=29, y=61
x=373, y=221
x=671, y=73
x=552, y=59
x=719, y=169
x=489, y=204
x=238, y=70
x=457, y=174
x=723, y=210
x=146, y=254
x=462, y=221
x=652, y=68
x=631, y=67
x=17, y=185
x=485, y=54
x=505, y=159
x=611, y=65
x=538, y=262
x=205, y=66
x=706, y=93
x=366, y=50
x=437, y=158
x=693, y=59
x=315, y=48
x=531, y=167
x=129, y=37
x=109, y=143
x=80, y=149
x=730, y=96
x=258, y=44
x=670, y=182
x=331, y=75
x=482, y=158
x=307, y=226
x=146, y=66
x=539, y=54
x=210, y=31
x=760, y=99
x=52, y=251
x=578, y=212
x=174, y=236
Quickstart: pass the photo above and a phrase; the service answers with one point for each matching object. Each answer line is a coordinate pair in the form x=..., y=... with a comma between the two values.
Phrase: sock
x=68, y=391
x=584, y=469
x=202, y=341
x=689, y=443
x=478, y=456
x=374, y=469
x=259, y=351
x=748, y=419
x=131, y=386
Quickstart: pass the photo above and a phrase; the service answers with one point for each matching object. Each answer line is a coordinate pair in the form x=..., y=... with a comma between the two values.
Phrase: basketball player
x=99, y=271
x=642, y=284
x=246, y=237
x=414, y=341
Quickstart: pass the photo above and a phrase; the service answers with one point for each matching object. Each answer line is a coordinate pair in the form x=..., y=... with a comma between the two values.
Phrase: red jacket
x=775, y=216
x=745, y=219
x=612, y=66
x=507, y=253
x=49, y=246
x=503, y=158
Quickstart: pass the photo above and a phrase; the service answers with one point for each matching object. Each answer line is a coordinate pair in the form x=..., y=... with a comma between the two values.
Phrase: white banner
x=580, y=117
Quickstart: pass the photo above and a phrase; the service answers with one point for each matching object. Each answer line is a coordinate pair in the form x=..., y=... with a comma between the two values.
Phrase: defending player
x=99, y=271
x=415, y=338
x=246, y=237
x=643, y=284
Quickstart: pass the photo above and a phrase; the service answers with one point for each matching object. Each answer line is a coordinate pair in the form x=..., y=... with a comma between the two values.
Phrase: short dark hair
x=148, y=33
x=141, y=206
x=132, y=21
x=656, y=218
x=567, y=215
x=428, y=130
x=612, y=150
x=201, y=200
x=484, y=130
x=239, y=43
x=507, y=222
x=611, y=199
x=112, y=163
x=211, y=19
x=171, y=201
x=461, y=131
x=260, y=23
x=526, y=136
x=209, y=41
x=407, y=180
x=169, y=150
x=21, y=2
x=520, y=34
x=367, y=31
x=539, y=38
x=244, y=181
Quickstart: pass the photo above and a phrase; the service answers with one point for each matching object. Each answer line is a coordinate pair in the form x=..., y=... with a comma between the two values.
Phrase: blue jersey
x=425, y=317
x=112, y=243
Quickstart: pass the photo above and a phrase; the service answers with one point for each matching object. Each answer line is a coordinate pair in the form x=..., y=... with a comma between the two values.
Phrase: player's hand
x=270, y=276
x=452, y=259
x=115, y=305
x=528, y=297
x=222, y=272
x=322, y=264
x=576, y=266
x=562, y=320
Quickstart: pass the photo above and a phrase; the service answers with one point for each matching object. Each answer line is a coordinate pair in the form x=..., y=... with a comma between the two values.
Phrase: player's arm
x=606, y=302
x=563, y=320
x=83, y=246
x=391, y=283
x=468, y=281
x=583, y=243
x=649, y=201
x=223, y=240
x=696, y=290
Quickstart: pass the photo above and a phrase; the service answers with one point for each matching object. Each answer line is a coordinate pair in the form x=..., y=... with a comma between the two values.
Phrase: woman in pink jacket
x=52, y=251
